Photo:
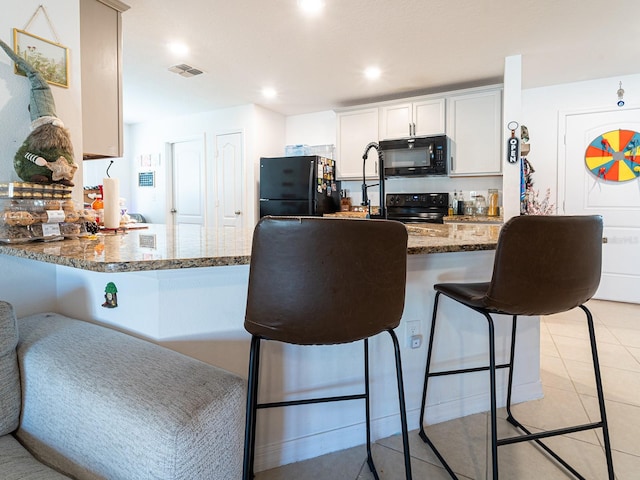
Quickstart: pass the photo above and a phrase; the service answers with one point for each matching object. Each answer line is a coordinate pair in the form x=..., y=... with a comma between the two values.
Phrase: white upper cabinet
x=356, y=129
x=419, y=118
x=101, y=70
x=473, y=123
x=474, y=127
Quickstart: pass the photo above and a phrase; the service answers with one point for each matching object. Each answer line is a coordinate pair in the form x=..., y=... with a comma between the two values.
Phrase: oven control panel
x=417, y=200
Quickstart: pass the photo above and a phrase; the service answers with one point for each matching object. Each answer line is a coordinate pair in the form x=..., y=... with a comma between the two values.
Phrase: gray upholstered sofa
x=82, y=401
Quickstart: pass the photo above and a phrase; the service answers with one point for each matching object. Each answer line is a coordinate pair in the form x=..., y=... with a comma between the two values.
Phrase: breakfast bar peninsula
x=185, y=287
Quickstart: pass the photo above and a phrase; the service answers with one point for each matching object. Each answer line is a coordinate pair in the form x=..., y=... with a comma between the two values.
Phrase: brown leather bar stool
x=543, y=265
x=324, y=281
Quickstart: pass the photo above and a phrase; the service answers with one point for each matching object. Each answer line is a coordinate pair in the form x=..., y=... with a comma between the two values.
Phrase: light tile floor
x=569, y=389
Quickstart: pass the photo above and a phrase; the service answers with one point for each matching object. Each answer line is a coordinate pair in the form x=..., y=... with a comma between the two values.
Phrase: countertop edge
x=86, y=254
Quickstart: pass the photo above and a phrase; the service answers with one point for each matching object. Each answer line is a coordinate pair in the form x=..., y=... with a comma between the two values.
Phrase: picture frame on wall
x=49, y=58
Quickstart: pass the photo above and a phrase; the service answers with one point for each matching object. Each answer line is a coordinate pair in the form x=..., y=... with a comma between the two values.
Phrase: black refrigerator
x=304, y=185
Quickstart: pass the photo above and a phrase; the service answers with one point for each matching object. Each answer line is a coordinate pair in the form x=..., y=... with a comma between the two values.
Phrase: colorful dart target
x=615, y=156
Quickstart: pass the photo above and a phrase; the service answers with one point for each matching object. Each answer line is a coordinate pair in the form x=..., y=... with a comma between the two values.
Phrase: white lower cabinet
x=356, y=129
x=474, y=126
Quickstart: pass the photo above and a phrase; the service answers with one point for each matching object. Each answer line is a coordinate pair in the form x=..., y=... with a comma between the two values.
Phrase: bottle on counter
x=492, y=209
x=98, y=206
x=454, y=205
x=461, y=203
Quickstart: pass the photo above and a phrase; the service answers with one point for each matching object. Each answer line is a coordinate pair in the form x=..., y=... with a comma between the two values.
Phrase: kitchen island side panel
x=200, y=312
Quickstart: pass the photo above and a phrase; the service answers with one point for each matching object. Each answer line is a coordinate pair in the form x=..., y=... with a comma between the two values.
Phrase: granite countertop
x=156, y=247
x=472, y=219
x=452, y=237
x=159, y=247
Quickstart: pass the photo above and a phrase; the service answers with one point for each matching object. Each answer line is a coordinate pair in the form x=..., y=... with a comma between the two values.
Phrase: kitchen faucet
x=365, y=197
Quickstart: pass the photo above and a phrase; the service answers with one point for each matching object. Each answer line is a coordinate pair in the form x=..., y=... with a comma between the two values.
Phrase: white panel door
x=618, y=202
x=230, y=182
x=189, y=206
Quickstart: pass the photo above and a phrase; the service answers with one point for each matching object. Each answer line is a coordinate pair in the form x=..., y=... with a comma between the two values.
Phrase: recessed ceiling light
x=269, y=92
x=372, y=73
x=178, y=48
x=311, y=6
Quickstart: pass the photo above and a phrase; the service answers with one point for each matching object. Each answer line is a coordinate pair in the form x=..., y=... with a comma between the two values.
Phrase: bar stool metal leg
x=403, y=407
x=367, y=409
x=251, y=410
x=492, y=386
x=427, y=375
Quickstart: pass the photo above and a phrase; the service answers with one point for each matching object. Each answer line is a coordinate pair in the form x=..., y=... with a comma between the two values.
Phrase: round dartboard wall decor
x=615, y=156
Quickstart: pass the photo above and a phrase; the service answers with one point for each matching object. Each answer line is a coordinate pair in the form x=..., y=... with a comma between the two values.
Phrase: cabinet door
x=356, y=129
x=396, y=121
x=428, y=117
x=101, y=66
x=473, y=126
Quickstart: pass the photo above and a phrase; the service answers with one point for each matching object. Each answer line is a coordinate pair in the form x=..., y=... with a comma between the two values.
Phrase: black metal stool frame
x=492, y=367
x=253, y=406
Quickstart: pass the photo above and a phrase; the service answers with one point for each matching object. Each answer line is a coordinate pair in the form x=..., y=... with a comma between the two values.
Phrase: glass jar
x=492, y=209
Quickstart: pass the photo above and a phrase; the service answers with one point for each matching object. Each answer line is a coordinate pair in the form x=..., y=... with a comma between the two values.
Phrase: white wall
x=263, y=132
x=14, y=89
x=540, y=109
x=317, y=128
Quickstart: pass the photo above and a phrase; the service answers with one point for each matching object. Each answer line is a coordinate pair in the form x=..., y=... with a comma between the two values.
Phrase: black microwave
x=415, y=156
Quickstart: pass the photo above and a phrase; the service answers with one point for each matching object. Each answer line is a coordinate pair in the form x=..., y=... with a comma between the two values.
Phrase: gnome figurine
x=46, y=156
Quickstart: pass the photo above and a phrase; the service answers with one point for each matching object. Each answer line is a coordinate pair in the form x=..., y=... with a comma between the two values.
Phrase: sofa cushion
x=16, y=463
x=100, y=404
x=9, y=374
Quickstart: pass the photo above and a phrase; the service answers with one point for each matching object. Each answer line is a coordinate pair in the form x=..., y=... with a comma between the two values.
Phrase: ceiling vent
x=185, y=70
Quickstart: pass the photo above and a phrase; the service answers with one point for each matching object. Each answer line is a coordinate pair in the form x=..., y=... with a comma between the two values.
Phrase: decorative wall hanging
x=614, y=156
x=512, y=143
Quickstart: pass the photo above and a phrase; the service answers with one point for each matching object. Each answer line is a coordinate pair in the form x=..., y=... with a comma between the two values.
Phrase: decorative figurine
x=46, y=156
x=110, y=296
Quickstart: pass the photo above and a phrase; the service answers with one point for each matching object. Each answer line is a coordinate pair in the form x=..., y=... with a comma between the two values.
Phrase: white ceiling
x=316, y=64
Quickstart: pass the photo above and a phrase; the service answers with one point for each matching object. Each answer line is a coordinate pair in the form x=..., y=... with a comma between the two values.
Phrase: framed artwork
x=50, y=59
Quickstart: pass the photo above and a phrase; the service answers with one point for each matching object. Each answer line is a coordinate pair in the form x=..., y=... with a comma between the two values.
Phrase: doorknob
x=237, y=212
x=173, y=210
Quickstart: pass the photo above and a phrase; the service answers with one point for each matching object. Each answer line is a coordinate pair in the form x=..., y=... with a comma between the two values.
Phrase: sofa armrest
x=98, y=403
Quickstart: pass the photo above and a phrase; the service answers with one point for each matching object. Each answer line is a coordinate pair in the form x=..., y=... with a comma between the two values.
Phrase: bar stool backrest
x=323, y=281
x=546, y=264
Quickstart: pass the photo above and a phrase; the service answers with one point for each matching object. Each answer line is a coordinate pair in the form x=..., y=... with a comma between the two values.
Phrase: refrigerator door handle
x=312, y=166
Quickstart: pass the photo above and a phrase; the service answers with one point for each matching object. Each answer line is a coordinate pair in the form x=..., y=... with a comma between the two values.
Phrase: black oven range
x=417, y=207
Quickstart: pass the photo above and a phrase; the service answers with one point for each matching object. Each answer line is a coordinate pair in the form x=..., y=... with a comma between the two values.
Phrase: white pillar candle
x=111, y=191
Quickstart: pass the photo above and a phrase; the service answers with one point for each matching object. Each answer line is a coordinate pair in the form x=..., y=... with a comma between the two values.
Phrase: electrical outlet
x=416, y=341
x=413, y=331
